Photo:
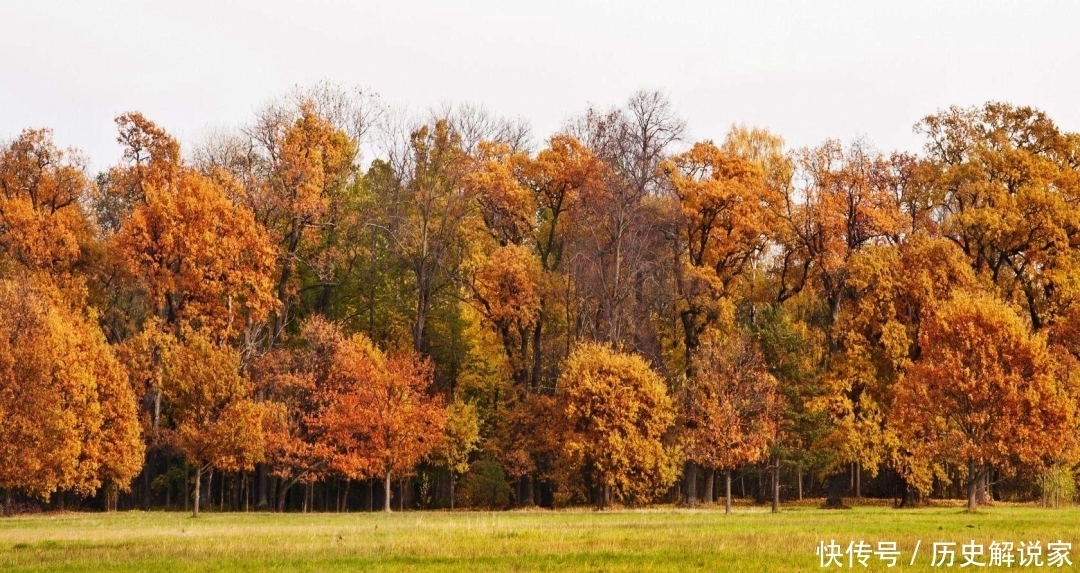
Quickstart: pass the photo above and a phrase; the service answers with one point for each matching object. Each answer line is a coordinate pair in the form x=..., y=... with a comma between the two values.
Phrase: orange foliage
x=384, y=421
x=994, y=397
x=68, y=413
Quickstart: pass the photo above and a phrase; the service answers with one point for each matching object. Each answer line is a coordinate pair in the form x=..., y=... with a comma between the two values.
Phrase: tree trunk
x=386, y=502
x=187, y=478
x=7, y=502
x=973, y=489
x=776, y=485
x=198, y=490
x=710, y=476
x=798, y=475
x=858, y=480
x=451, y=490
x=690, y=474
x=727, y=491
x=282, y=490
x=262, y=487
x=529, y=491
x=910, y=496
x=975, y=476
x=835, y=497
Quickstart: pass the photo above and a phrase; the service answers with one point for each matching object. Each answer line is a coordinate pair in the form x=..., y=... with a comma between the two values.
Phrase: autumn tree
x=996, y=402
x=461, y=438
x=69, y=415
x=301, y=173
x=296, y=384
x=214, y=423
x=723, y=199
x=615, y=412
x=41, y=223
x=201, y=259
x=722, y=230
x=385, y=421
x=1008, y=183
x=732, y=420
x=893, y=290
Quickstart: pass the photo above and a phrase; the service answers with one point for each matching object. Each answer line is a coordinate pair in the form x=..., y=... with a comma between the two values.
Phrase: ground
x=661, y=539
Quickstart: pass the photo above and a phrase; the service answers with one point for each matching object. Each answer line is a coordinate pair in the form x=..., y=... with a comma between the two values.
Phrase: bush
x=486, y=486
x=1055, y=486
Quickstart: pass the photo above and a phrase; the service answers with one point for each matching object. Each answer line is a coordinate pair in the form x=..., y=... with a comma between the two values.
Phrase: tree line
x=443, y=312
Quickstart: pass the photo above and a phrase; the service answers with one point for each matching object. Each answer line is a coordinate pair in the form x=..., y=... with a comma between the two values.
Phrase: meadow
x=658, y=539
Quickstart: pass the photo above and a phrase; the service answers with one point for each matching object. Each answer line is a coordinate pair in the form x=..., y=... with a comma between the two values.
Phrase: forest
x=337, y=306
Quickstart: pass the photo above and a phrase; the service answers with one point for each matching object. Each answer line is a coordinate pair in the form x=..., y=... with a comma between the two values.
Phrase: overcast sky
x=806, y=70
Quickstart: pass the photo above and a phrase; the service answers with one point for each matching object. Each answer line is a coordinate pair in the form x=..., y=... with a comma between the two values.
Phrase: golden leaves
x=68, y=413
x=615, y=413
x=215, y=423
x=733, y=402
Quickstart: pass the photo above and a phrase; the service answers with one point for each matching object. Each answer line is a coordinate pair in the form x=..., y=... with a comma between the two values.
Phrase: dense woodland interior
x=333, y=308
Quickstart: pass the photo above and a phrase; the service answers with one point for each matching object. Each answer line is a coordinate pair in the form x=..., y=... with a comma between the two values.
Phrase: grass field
x=579, y=540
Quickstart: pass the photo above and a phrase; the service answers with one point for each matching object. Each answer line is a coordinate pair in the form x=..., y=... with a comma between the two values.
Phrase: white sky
x=806, y=70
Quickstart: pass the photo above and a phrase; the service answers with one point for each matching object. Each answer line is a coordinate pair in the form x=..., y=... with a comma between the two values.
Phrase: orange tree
x=214, y=422
x=983, y=393
x=732, y=420
x=384, y=421
x=68, y=414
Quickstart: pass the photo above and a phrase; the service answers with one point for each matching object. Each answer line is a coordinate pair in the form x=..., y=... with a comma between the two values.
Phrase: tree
x=619, y=235
x=301, y=173
x=722, y=230
x=615, y=412
x=460, y=439
x=296, y=384
x=384, y=422
x=733, y=416
x=41, y=224
x=1008, y=183
x=69, y=418
x=995, y=399
x=893, y=289
x=214, y=421
x=201, y=259
x=723, y=200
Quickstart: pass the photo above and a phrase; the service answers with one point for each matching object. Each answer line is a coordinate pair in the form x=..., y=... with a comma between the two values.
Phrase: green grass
x=578, y=540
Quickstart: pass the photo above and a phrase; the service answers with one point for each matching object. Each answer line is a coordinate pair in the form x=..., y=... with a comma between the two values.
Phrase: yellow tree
x=69, y=419
x=849, y=204
x=297, y=192
x=460, y=439
x=196, y=259
x=200, y=258
x=983, y=393
x=615, y=412
x=214, y=421
x=724, y=201
x=893, y=289
x=1009, y=186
